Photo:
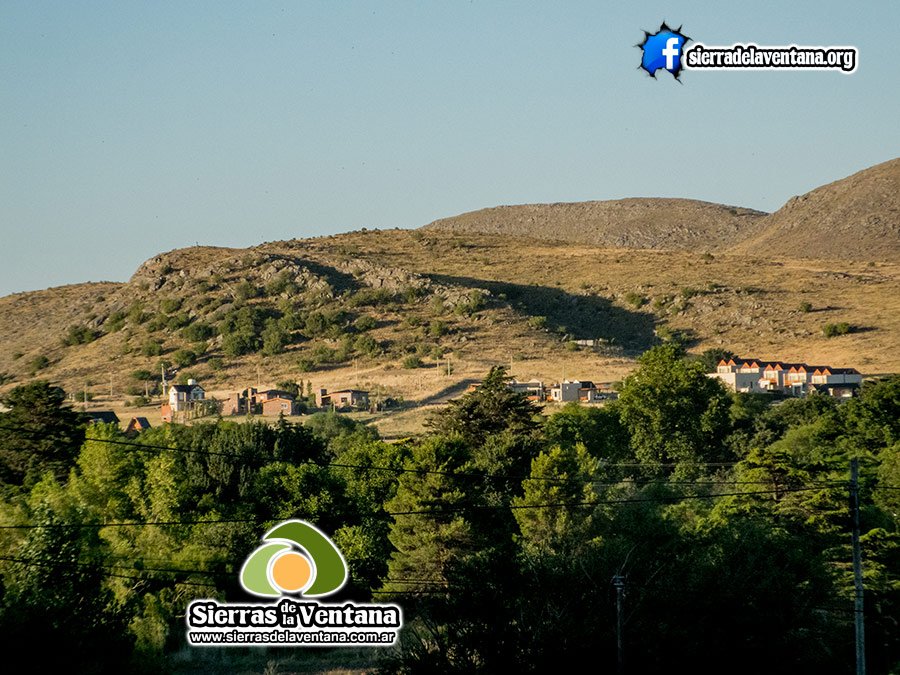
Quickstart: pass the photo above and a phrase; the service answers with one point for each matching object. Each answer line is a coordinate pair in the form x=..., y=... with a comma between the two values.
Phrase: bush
x=371, y=297
x=474, y=302
x=538, y=322
x=177, y=321
x=215, y=364
x=169, y=305
x=671, y=335
x=274, y=337
x=572, y=346
x=80, y=396
x=437, y=328
x=831, y=330
x=412, y=361
x=114, y=322
x=366, y=344
x=636, y=300
x=79, y=335
x=184, y=358
x=141, y=375
x=241, y=330
x=437, y=306
x=306, y=365
x=197, y=332
x=38, y=363
x=687, y=293
x=282, y=283
x=136, y=314
x=245, y=291
x=239, y=343
x=365, y=323
x=805, y=307
x=151, y=348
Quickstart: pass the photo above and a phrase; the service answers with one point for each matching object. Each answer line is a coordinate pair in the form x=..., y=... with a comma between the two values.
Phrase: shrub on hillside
x=79, y=335
x=636, y=300
x=831, y=330
x=412, y=361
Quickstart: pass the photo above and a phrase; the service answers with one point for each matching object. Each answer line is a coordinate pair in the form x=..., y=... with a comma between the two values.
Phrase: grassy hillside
x=418, y=315
x=679, y=224
x=386, y=310
x=856, y=218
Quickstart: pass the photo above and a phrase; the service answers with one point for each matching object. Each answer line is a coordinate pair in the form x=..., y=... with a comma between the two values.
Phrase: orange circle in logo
x=291, y=571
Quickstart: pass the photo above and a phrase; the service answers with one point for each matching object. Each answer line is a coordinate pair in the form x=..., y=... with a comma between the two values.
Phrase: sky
x=132, y=128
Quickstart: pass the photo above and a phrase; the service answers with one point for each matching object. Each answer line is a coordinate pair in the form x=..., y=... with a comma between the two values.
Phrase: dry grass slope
x=856, y=218
x=675, y=224
x=535, y=297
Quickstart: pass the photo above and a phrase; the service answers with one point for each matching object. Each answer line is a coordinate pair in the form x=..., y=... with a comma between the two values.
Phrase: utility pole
x=857, y=571
x=85, y=397
x=162, y=372
x=619, y=582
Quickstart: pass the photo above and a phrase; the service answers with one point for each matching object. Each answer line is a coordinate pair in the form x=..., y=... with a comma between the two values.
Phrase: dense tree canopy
x=498, y=532
x=40, y=432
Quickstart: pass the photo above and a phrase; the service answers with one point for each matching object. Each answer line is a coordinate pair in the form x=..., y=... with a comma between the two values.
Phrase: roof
x=347, y=391
x=278, y=393
x=186, y=388
x=103, y=416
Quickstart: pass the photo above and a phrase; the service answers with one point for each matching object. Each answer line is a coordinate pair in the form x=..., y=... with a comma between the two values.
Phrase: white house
x=183, y=396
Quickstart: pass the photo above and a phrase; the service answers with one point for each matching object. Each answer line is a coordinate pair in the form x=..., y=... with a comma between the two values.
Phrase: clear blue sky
x=130, y=128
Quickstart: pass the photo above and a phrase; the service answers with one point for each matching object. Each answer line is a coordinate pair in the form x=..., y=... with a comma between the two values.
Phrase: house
x=345, y=398
x=251, y=400
x=794, y=379
x=240, y=403
x=827, y=375
x=567, y=391
x=533, y=390
x=183, y=396
x=102, y=417
x=136, y=425
x=276, y=405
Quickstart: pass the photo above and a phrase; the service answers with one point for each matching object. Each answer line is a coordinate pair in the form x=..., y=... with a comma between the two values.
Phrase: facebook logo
x=663, y=49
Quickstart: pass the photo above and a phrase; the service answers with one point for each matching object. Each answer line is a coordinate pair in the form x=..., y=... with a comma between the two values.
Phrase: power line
x=33, y=562
x=431, y=512
x=145, y=447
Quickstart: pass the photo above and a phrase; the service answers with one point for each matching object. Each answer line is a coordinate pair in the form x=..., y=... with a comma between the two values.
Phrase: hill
x=417, y=315
x=673, y=224
x=855, y=218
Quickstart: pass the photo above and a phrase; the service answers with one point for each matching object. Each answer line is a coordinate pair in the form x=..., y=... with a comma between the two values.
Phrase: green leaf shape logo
x=325, y=566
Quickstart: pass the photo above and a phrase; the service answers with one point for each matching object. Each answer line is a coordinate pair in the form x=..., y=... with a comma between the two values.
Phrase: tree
x=561, y=475
x=600, y=430
x=711, y=357
x=56, y=611
x=491, y=408
x=673, y=411
x=39, y=433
